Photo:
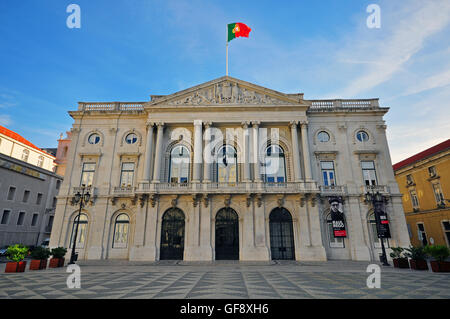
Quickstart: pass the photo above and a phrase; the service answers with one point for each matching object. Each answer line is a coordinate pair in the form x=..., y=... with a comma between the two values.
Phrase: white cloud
x=405, y=32
x=5, y=120
x=438, y=80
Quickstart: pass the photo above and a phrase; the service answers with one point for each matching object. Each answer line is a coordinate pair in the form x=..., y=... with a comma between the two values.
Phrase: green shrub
x=58, y=252
x=416, y=253
x=40, y=253
x=17, y=252
x=438, y=252
x=396, y=252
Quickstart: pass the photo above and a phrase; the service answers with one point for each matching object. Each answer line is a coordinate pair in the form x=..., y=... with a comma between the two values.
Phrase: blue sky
x=129, y=49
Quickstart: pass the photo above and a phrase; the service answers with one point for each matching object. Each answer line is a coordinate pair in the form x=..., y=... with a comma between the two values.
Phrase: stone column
x=148, y=152
x=198, y=151
x=256, y=165
x=158, y=155
x=246, y=141
x=305, y=150
x=207, y=154
x=295, y=151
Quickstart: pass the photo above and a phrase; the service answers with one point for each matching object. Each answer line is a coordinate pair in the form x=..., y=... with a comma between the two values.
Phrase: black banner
x=337, y=218
x=382, y=224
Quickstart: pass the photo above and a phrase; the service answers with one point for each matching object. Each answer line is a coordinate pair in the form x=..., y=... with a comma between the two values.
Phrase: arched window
x=82, y=230
x=323, y=137
x=335, y=242
x=25, y=154
x=121, y=227
x=179, y=165
x=131, y=138
x=374, y=232
x=275, y=165
x=227, y=165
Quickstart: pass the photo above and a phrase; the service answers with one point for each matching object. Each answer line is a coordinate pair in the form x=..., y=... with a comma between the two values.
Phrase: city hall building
x=229, y=170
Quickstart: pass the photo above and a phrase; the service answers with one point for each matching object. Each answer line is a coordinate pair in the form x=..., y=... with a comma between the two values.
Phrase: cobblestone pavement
x=224, y=280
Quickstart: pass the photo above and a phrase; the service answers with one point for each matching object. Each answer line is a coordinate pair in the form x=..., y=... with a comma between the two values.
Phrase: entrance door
x=227, y=235
x=172, y=235
x=281, y=235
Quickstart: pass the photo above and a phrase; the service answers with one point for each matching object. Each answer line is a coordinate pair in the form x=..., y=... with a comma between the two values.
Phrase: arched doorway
x=281, y=235
x=172, y=235
x=227, y=235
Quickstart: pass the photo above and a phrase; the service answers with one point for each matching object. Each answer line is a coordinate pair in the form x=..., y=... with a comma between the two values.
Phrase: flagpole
x=227, y=51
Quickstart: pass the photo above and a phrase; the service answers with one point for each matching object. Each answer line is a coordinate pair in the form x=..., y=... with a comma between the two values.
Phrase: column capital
x=150, y=124
x=160, y=125
x=208, y=124
x=198, y=122
x=304, y=123
x=293, y=123
x=245, y=124
x=256, y=123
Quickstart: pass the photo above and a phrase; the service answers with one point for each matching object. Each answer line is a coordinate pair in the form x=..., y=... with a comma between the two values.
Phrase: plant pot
x=37, y=264
x=56, y=262
x=418, y=264
x=400, y=262
x=16, y=266
x=440, y=266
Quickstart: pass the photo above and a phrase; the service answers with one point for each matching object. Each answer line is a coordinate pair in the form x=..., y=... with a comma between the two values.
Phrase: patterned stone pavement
x=224, y=280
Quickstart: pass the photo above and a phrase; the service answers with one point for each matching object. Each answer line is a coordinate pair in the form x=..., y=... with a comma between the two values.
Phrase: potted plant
x=398, y=259
x=417, y=257
x=39, y=257
x=58, y=257
x=439, y=253
x=16, y=253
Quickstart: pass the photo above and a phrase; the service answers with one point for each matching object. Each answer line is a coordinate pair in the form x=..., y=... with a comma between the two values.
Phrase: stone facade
x=147, y=206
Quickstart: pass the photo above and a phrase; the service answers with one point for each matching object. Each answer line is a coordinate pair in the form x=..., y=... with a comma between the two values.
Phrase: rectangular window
x=432, y=171
x=5, y=217
x=414, y=199
x=87, y=175
x=409, y=179
x=328, y=175
x=39, y=199
x=438, y=194
x=21, y=218
x=369, y=174
x=127, y=174
x=40, y=161
x=11, y=193
x=34, y=220
x=26, y=195
x=446, y=225
x=50, y=221
x=421, y=234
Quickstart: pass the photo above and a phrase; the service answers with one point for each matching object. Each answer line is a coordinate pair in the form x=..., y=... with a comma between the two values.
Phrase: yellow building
x=424, y=181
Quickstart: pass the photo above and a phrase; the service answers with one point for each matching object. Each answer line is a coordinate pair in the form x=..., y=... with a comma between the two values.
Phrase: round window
x=362, y=136
x=323, y=136
x=94, y=138
x=131, y=138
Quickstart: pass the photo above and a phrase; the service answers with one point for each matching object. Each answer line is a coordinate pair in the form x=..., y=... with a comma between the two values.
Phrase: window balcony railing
x=220, y=187
x=124, y=190
x=330, y=190
x=382, y=189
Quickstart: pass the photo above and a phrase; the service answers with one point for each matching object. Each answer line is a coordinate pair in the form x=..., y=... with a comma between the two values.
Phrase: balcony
x=233, y=188
x=382, y=189
x=333, y=190
x=124, y=190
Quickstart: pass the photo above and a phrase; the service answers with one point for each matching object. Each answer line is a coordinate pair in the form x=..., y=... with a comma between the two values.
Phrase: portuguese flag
x=236, y=30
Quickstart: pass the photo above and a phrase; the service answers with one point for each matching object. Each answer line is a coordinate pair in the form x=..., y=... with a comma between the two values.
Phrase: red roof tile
x=424, y=154
x=18, y=138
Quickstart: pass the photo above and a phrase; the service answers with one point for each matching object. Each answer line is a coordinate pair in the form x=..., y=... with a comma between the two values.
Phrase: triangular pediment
x=225, y=91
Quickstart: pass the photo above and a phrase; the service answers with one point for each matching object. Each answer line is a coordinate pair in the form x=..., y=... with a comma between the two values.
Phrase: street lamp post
x=82, y=199
x=377, y=199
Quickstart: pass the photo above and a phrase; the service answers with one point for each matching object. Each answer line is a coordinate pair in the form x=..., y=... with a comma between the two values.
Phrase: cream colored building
x=228, y=170
x=15, y=146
